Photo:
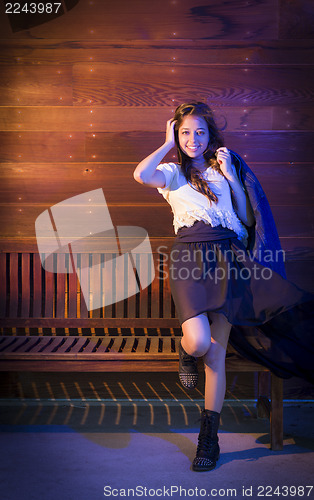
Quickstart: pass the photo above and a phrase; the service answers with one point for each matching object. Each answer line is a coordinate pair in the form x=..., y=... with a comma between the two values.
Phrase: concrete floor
x=88, y=450
x=78, y=436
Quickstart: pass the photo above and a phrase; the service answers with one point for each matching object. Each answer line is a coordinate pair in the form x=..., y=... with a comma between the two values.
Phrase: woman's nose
x=192, y=140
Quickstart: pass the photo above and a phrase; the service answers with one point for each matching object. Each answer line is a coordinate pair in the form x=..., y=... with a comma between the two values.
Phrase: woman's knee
x=215, y=357
x=220, y=329
x=196, y=335
x=198, y=346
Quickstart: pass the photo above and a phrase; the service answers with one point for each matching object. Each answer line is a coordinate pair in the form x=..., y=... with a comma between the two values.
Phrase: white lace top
x=188, y=205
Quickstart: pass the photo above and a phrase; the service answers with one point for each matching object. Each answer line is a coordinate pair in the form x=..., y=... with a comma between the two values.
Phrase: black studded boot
x=208, y=450
x=188, y=372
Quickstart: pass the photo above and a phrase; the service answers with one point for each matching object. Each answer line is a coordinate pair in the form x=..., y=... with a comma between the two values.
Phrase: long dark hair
x=192, y=174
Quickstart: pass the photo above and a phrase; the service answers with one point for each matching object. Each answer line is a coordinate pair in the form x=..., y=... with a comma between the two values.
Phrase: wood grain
x=41, y=146
x=36, y=147
x=140, y=20
x=138, y=85
x=267, y=146
x=296, y=19
x=296, y=248
x=35, y=85
x=73, y=119
x=292, y=221
x=286, y=183
x=192, y=51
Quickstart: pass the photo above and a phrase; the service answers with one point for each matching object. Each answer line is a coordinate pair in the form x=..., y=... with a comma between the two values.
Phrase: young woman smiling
x=219, y=286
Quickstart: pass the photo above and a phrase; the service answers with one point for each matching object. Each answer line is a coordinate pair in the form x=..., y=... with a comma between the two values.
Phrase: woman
x=219, y=278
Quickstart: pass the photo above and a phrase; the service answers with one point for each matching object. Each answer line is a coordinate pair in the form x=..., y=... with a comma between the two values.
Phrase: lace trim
x=214, y=218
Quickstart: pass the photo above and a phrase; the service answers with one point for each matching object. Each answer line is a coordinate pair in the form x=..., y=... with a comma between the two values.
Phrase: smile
x=192, y=148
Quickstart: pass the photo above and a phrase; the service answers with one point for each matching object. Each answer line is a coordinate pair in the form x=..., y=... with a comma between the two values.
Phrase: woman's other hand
x=224, y=159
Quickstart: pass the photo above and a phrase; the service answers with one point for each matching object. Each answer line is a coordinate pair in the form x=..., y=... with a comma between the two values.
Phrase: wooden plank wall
x=85, y=96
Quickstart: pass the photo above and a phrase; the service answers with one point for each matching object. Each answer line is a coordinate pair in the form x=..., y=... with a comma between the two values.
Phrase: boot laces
x=205, y=438
x=188, y=360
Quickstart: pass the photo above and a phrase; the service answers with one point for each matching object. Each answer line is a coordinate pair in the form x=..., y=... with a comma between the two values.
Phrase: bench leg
x=263, y=404
x=276, y=414
x=273, y=408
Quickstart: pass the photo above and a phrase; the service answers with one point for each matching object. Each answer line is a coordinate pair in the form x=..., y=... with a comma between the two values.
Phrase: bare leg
x=210, y=341
x=200, y=339
x=214, y=363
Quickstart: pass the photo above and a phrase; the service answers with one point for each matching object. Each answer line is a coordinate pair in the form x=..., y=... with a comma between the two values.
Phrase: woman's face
x=193, y=136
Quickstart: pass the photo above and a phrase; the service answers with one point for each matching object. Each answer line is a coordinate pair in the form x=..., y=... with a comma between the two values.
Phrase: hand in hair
x=170, y=138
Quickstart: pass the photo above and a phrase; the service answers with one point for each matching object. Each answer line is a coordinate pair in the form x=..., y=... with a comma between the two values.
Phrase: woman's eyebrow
x=199, y=128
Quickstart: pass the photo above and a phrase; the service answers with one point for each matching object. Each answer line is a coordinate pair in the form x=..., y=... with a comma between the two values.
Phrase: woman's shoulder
x=171, y=171
x=170, y=168
x=169, y=165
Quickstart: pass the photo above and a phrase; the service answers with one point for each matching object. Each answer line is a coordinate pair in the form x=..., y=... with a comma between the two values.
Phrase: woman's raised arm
x=145, y=172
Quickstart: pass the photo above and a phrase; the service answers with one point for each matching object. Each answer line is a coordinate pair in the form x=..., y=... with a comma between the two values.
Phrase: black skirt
x=210, y=270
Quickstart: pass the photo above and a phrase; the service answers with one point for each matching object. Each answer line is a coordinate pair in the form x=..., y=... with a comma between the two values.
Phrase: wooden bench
x=45, y=326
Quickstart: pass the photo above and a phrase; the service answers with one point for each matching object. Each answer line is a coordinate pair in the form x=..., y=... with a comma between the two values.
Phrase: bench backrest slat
x=37, y=286
x=3, y=281
x=61, y=294
x=49, y=305
x=14, y=285
x=73, y=292
x=30, y=291
x=25, y=285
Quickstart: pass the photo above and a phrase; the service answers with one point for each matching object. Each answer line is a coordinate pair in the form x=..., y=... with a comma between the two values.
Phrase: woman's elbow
x=137, y=177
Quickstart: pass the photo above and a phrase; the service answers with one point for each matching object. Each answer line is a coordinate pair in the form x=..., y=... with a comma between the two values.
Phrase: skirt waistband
x=200, y=231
